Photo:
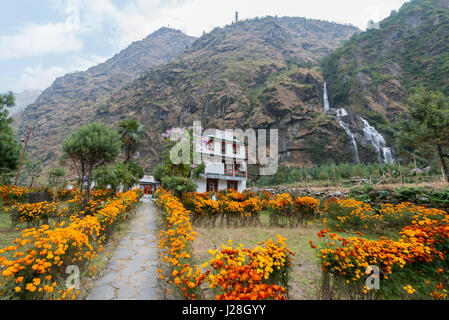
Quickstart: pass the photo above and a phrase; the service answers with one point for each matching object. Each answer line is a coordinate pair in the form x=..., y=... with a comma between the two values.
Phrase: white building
x=225, y=160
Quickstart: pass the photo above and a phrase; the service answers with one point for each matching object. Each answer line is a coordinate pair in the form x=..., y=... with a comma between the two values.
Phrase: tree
x=88, y=148
x=428, y=126
x=178, y=185
x=34, y=170
x=178, y=139
x=117, y=175
x=55, y=181
x=110, y=176
x=137, y=173
x=132, y=134
x=55, y=177
x=160, y=172
x=9, y=147
x=178, y=177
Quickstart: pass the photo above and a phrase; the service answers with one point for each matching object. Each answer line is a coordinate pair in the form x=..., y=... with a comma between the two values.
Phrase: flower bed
x=34, y=213
x=11, y=194
x=229, y=208
x=245, y=274
x=415, y=266
x=352, y=215
x=34, y=266
x=286, y=211
x=234, y=273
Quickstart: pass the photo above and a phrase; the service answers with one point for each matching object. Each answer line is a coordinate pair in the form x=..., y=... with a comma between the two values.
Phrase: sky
x=45, y=39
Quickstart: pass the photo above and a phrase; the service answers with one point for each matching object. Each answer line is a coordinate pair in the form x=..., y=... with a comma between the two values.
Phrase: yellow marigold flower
x=30, y=287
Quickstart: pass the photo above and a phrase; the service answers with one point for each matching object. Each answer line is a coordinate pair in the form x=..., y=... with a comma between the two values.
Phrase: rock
x=105, y=292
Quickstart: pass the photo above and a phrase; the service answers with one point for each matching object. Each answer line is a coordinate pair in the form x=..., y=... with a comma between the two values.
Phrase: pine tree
x=428, y=126
x=9, y=146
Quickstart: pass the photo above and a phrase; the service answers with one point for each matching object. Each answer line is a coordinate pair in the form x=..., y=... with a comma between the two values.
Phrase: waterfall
x=341, y=113
x=326, y=99
x=384, y=154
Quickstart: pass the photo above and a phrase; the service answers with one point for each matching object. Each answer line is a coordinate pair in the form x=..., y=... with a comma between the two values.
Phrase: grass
x=7, y=232
x=305, y=275
x=305, y=278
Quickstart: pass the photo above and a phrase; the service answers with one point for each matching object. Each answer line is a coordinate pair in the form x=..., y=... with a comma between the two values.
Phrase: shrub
x=414, y=267
x=178, y=185
x=348, y=215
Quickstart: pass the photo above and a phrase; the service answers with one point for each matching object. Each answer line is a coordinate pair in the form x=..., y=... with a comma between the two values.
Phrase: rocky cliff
x=253, y=74
x=372, y=75
x=23, y=100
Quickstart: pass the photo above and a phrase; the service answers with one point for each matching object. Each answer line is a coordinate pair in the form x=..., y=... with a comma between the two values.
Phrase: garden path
x=132, y=271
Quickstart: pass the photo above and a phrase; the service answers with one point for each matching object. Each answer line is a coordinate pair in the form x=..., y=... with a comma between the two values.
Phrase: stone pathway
x=132, y=271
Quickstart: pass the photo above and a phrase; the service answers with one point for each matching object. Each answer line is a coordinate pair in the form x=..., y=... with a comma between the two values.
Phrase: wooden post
x=443, y=176
x=416, y=169
x=23, y=155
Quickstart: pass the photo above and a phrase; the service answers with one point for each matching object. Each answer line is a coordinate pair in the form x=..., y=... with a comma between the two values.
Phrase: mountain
x=372, y=75
x=23, y=100
x=263, y=73
x=69, y=102
x=258, y=73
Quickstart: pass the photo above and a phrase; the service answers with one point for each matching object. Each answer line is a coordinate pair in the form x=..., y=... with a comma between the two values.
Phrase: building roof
x=224, y=136
x=148, y=179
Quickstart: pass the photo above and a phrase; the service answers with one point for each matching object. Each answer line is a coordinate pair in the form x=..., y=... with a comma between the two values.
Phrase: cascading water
x=326, y=99
x=341, y=113
x=384, y=154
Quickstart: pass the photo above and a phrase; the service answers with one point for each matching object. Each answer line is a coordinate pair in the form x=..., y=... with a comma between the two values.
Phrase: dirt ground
x=305, y=276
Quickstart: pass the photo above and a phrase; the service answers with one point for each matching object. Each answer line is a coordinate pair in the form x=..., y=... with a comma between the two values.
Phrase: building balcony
x=235, y=173
x=219, y=171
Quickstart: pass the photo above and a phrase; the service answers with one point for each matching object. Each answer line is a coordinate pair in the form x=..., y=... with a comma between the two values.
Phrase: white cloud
x=39, y=78
x=81, y=63
x=37, y=40
x=135, y=19
x=132, y=20
x=122, y=22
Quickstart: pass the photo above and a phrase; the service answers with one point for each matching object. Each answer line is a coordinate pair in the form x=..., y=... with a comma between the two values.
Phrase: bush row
x=34, y=265
x=233, y=273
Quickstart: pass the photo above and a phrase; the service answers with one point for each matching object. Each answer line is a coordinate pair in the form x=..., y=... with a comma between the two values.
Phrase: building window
x=233, y=185
x=210, y=144
x=212, y=185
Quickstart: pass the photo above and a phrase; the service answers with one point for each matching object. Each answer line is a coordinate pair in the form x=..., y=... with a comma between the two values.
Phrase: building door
x=233, y=185
x=212, y=185
x=148, y=190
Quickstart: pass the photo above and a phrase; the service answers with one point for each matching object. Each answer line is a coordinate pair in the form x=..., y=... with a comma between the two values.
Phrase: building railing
x=235, y=173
